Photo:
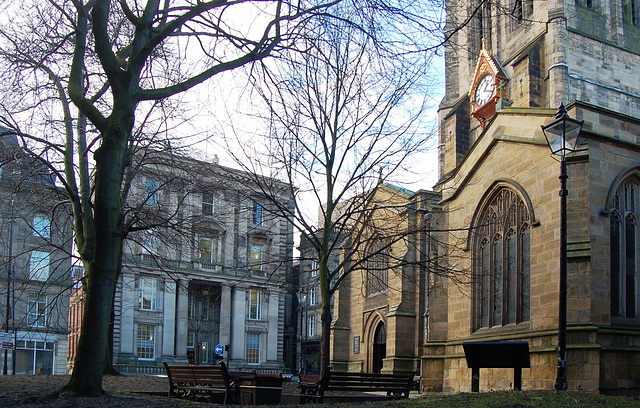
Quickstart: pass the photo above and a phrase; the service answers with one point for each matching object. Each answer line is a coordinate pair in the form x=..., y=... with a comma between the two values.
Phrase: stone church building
x=498, y=213
x=506, y=74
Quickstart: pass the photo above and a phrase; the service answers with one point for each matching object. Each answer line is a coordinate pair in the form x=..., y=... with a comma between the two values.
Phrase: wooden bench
x=416, y=384
x=201, y=382
x=395, y=385
x=496, y=354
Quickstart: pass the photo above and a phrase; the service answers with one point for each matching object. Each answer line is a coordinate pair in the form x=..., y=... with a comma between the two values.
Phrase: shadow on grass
x=523, y=399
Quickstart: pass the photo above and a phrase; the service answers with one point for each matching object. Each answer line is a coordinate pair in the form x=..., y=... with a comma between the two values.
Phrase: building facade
x=205, y=264
x=381, y=306
x=36, y=238
x=507, y=72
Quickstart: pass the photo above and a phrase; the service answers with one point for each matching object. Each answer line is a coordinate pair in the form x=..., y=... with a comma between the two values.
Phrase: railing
x=131, y=369
x=148, y=259
x=267, y=371
x=208, y=266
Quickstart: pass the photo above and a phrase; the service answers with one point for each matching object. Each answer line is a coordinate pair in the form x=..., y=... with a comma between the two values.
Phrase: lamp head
x=302, y=295
x=562, y=133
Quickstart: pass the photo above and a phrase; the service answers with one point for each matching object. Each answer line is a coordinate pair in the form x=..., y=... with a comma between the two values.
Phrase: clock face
x=484, y=91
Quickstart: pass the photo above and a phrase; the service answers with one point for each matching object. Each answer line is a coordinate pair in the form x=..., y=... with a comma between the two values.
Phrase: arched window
x=631, y=12
x=377, y=266
x=623, y=249
x=501, y=267
x=483, y=21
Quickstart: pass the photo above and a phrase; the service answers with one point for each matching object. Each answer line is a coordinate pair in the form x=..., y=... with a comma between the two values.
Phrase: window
x=312, y=296
x=256, y=257
x=145, y=349
x=198, y=307
x=192, y=306
x=623, y=249
x=631, y=12
x=151, y=189
x=148, y=288
x=39, y=266
x=522, y=9
x=258, y=213
x=377, y=265
x=255, y=304
x=208, y=203
x=208, y=249
x=41, y=227
x=204, y=352
x=37, y=311
x=203, y=347
x=150, y=241
x=253, y=348
x=33, y=357
x=586, y=3
x=483, y=22
x=501, y=268
x=314, y=269
x=312, y=326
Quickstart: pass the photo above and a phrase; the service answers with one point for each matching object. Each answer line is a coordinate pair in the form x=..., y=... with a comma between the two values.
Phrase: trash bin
x=258, y=389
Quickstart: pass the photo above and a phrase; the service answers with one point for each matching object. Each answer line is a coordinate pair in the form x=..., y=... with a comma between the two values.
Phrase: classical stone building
x=35, y=248
x=507, y=73
x=208, y=267
x=379, y=309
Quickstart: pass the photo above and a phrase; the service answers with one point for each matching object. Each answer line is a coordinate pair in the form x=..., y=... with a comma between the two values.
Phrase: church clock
x=488, y=87
x=484, y=90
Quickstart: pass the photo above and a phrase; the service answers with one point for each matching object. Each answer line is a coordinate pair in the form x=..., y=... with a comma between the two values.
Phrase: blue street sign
x=219, y=349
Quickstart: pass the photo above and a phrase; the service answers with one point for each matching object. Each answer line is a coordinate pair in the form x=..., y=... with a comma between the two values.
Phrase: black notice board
x=497, y=354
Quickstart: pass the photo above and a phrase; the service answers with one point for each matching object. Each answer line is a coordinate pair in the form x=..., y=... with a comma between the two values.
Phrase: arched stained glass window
x=501, y=254
x=377, y=266
x=623, y=249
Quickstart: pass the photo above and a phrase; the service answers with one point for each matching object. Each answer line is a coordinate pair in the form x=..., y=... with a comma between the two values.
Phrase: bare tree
x=114, y=61
x=344, y=115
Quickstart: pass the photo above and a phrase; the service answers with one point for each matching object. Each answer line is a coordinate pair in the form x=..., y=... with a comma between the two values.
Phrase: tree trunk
x=102, y=270
x=326, y=337
x=87, y=371
x=108, y=368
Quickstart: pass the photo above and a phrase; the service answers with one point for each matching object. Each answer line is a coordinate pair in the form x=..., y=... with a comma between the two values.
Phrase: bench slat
x=194, y=381
x=396, y=385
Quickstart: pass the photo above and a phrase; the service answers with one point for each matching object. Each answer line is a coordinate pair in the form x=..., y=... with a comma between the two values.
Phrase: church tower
x=509, y=66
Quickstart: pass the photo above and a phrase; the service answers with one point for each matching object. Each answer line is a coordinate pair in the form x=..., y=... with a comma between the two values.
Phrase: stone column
x=182, y=322
x=127, y=326
x=225, y=315
x=273, y=332
x=238, y=320
x=169, y=318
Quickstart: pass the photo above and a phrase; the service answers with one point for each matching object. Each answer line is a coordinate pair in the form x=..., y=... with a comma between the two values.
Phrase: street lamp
x=562, y=136
x=302, y=298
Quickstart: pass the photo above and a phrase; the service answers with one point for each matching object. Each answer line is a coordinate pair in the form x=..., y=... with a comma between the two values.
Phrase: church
x=494, y=221
x=507, y=73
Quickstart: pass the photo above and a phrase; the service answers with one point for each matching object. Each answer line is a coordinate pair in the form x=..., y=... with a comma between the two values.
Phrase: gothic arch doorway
x=379, y=348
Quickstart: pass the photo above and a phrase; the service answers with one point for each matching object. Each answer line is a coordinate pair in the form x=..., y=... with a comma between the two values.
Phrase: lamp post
x=8, y=306
x=302, y=298
x=562, y=136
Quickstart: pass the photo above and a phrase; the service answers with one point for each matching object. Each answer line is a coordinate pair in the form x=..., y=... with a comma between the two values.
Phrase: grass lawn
x=520, y=399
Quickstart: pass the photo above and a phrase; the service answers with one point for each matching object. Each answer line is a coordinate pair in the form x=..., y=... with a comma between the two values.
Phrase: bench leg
x=517, y=379
x=475, y=379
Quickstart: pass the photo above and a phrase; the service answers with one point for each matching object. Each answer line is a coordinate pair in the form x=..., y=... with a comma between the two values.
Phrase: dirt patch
x=124, y=391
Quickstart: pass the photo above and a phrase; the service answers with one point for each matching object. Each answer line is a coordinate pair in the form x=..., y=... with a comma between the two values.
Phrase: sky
x=228, y=108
